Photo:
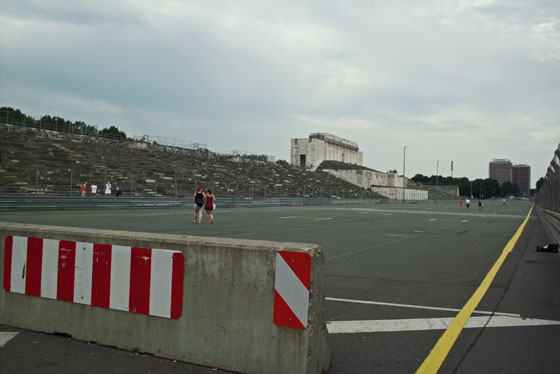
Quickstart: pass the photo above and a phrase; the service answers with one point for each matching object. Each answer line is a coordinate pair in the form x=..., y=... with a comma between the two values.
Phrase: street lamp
x=403, y=170
x=437, y=176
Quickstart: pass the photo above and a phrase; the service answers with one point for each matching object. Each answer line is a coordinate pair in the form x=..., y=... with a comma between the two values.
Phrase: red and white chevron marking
x=291, y=289
x=139, y=280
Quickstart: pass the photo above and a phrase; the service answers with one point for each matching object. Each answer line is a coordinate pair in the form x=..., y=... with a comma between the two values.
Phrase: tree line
x=14, y=116
x=478, y=188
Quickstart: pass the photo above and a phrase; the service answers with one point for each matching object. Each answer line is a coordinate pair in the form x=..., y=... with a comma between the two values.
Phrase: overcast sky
x=467, y=81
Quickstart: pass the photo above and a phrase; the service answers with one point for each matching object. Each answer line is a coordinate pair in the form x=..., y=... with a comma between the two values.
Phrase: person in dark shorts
x=198, y=204
x=209, y=201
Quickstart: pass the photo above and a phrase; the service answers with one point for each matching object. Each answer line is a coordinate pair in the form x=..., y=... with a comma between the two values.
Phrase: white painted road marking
x=417, y=306
x=422, y=324
x=6, y=336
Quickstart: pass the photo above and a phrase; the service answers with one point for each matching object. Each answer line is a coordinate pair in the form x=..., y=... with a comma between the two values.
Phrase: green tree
x=15, y=116
x=540, y=183
x=464, y=186
x=419, y=178
x=256, y=157
x=492, y=188
x=516, y=189
x=113, y=132
x=506, y=189
x=509, y=189
x=485, y=188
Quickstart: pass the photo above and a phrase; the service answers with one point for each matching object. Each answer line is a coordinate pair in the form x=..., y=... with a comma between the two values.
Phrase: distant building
x=390, y=185
x=522, y=176
x=343, y=159
x=501, y=170
x=504, y=171
x=310, y=152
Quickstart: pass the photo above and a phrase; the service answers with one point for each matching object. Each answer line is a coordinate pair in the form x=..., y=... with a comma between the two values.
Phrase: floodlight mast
x=403, y=170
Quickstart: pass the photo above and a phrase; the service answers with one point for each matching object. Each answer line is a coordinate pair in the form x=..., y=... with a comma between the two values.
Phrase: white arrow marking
x=5, y=337
x=421, y=324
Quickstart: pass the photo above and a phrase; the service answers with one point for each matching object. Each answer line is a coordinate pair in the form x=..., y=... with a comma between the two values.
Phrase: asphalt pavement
x=396, y=275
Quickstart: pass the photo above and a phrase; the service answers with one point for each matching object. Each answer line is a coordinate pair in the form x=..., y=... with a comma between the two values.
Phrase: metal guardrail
x=548, y=199
x=10, y=203
x=551, y=223
x=548, y=196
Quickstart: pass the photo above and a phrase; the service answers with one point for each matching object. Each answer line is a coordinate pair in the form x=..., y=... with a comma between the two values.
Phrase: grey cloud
x=408, y=69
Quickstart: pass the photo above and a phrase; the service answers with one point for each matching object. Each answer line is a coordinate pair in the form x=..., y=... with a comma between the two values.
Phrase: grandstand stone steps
x=49, y=159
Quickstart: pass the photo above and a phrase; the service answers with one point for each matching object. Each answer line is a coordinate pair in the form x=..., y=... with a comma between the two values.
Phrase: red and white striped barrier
x=139, y=280
x=291, y=289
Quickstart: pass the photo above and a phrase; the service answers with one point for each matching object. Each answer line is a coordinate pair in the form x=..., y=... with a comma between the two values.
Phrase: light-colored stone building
x=388, y=184
x=310, y=152
x=343, y=159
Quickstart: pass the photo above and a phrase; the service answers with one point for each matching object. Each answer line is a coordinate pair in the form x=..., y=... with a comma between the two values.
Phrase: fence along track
x=548, y=198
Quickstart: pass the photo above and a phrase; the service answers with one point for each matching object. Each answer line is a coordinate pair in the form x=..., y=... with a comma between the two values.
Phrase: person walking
x=209, y=201
x=84, y=187
x=108, y=189
x=94, y=189
x=198, y=198
x=468, y=203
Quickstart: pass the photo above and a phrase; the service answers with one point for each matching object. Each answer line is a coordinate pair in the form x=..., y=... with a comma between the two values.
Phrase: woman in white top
x=108, y=189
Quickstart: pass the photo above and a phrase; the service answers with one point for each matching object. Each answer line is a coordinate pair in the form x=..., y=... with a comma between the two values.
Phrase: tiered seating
x=49, y=163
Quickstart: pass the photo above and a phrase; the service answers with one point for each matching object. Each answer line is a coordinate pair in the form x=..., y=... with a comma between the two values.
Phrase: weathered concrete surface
x=227, y=319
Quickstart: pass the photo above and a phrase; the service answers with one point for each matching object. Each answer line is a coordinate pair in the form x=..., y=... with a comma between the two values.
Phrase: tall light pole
x=437, y=177
x=403, y=170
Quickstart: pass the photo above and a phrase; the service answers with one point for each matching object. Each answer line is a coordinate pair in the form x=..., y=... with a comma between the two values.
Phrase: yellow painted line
x=119, y=232
x=465, y=220
x=433, y=219
x=439, y=353
x=322, y=219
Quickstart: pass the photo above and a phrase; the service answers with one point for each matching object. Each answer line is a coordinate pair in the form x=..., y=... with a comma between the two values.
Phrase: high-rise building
x=522, y=176
x=501, y=170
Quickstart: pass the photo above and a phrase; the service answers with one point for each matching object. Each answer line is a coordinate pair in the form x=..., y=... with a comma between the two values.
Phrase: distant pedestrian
x=480, y=206
x=468, y=204
x=209, y=205
x=198, y=198
x=108, y=189
x=84, y=187
x=503, y=202
x=118, y=191
x=94, y=189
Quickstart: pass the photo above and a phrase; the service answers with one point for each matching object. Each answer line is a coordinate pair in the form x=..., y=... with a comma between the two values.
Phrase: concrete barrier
x=241, y=305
